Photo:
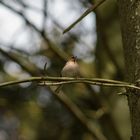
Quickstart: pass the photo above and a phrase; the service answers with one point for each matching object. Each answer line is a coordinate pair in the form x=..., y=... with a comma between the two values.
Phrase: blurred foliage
x=30, y=112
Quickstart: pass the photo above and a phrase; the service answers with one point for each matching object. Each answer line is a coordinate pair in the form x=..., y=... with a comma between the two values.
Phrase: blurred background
x=30, y=36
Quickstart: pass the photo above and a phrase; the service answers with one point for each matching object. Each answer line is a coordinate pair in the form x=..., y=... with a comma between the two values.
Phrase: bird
x=70, y=69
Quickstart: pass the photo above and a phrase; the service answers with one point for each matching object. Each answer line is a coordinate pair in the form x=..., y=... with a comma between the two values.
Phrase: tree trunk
x=130, y=25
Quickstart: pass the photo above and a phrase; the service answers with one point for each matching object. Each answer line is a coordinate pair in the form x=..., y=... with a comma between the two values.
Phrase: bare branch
x=89, y=10
x=78, y=114
x=53, y=81
x=59, y=52
x=25, y=65
x=44, y=16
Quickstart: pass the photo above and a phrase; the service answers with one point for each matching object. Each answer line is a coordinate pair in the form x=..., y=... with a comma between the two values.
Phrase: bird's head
x=73, y=58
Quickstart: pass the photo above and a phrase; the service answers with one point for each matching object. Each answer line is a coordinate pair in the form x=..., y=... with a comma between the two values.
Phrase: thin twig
x=45, y=68
x=89, y=10
x=67, y=80
x=45, y=6
x=59, y=52
x=92, y=83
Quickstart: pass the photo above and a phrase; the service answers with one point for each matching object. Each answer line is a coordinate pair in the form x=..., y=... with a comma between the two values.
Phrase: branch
x=92, y=83
x=59, y=52
x=53, y=81
x=45, y=14
x=25, y=65
x=78, y=114
x=89, y=10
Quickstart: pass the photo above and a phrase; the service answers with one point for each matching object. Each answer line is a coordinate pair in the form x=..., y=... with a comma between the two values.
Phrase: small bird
x=71, y=69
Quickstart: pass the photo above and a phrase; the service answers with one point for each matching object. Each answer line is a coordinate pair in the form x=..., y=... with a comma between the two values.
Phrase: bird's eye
x=74, y=57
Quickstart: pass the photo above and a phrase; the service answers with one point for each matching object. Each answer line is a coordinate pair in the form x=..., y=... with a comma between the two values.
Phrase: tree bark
x=130, y=25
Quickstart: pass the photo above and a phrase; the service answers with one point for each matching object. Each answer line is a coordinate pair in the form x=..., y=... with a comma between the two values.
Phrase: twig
x=29, y=67
x=39, y=79
x=78, y=114
x=45, y=6
x=83, y=15
x=45, y=68
x=71, y=35
x=66, y=80
x=93, y=83
x=59, y=52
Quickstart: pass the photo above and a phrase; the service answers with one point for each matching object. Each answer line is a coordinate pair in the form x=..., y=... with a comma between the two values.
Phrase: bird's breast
x=71, y=69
